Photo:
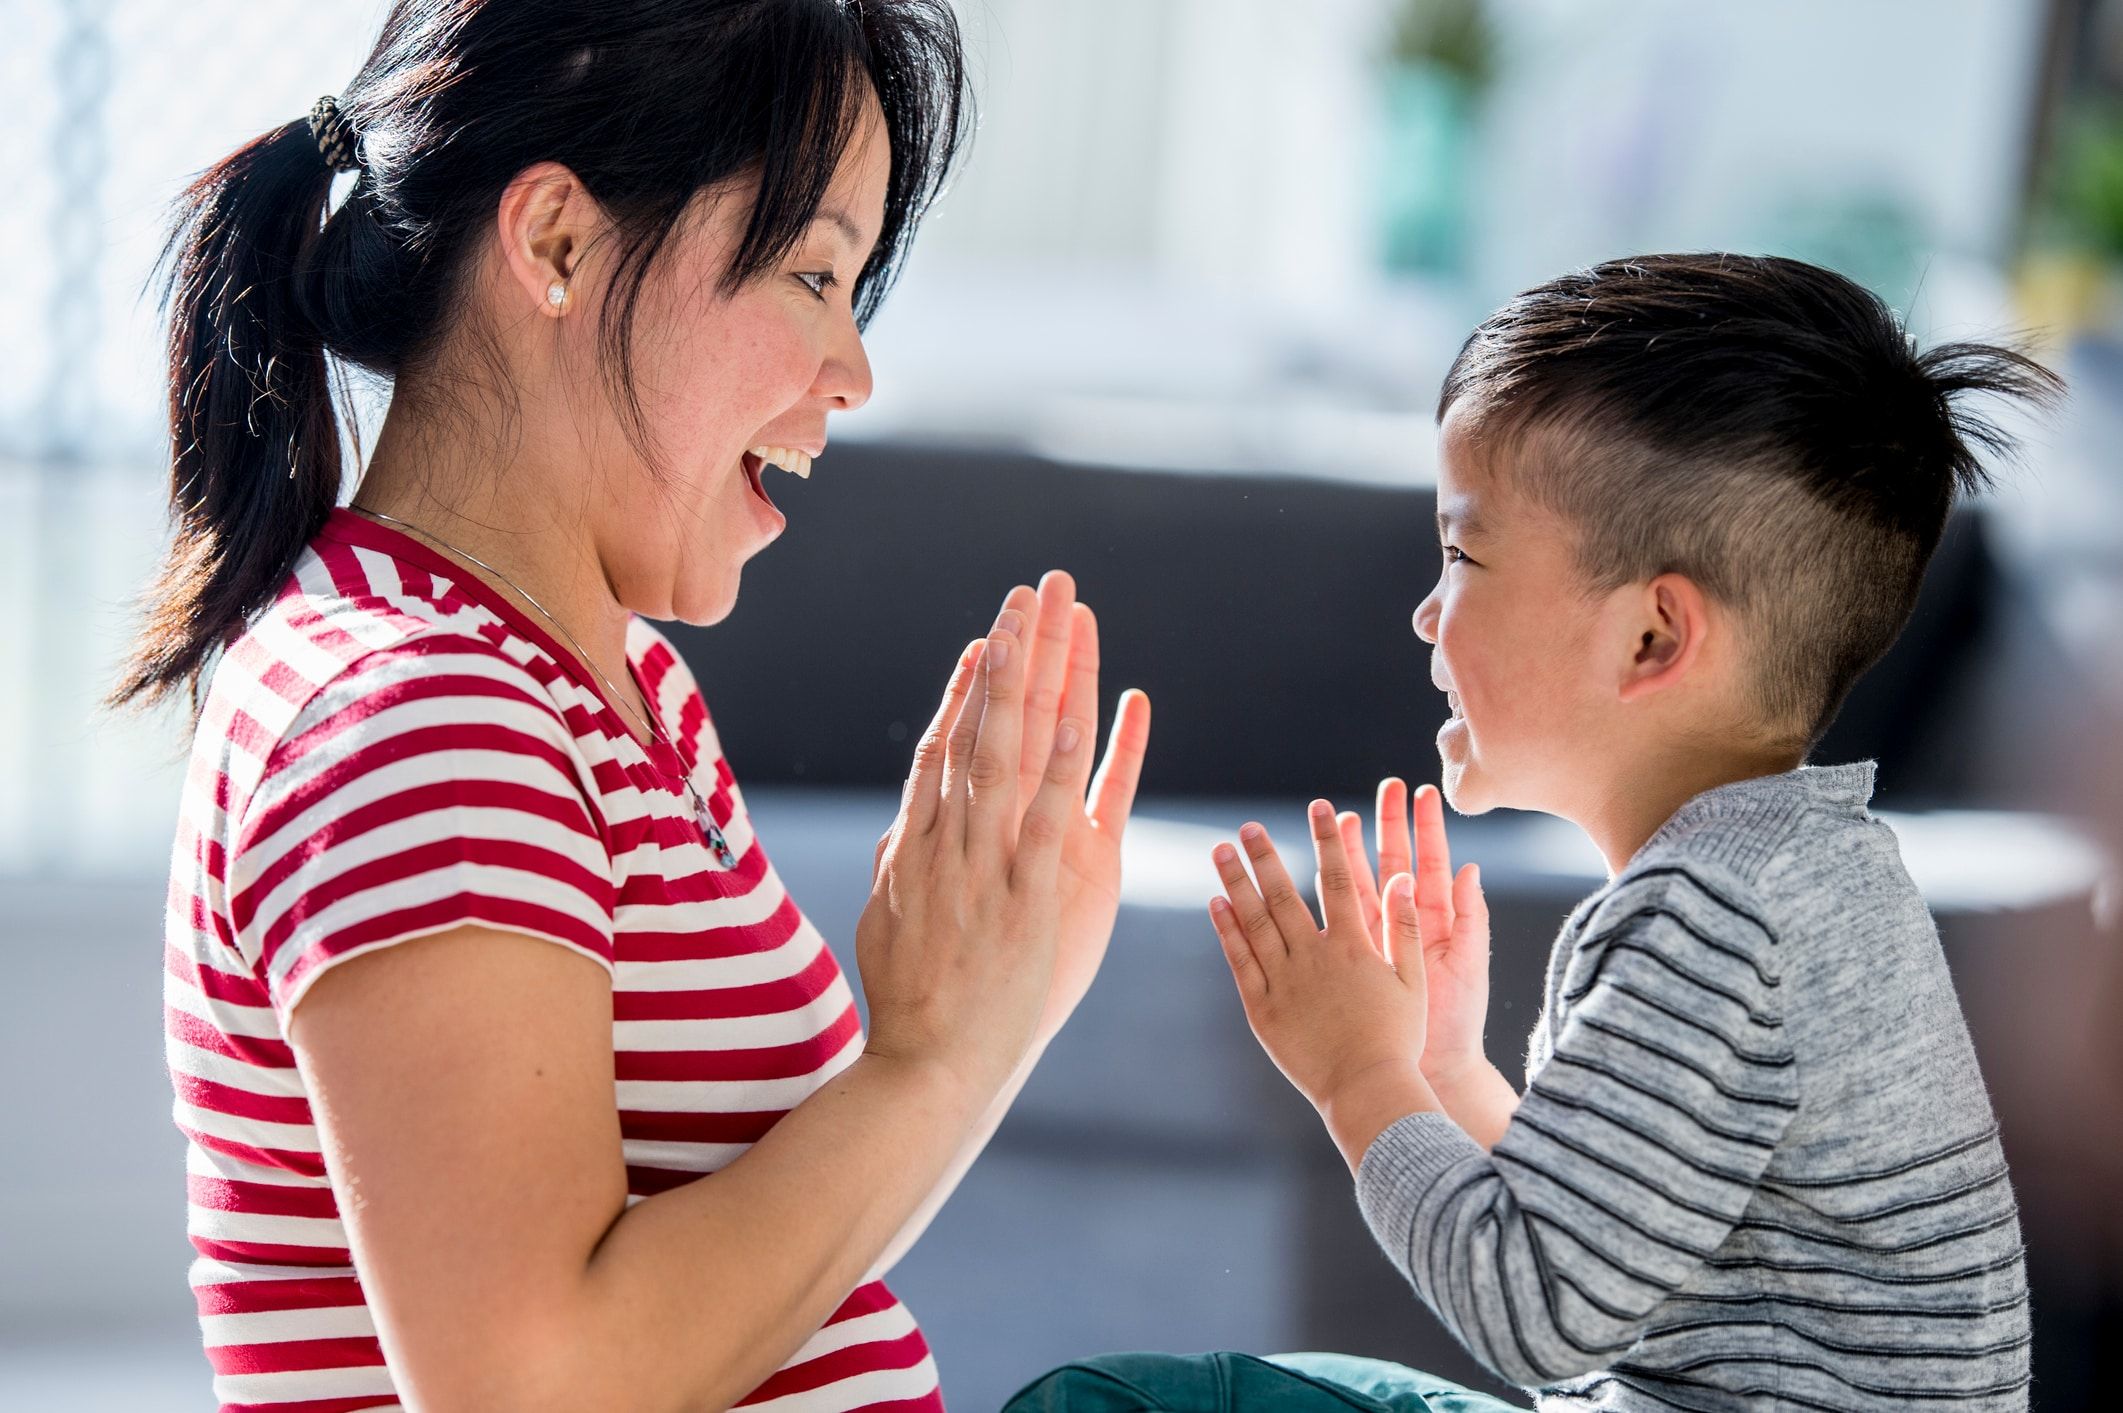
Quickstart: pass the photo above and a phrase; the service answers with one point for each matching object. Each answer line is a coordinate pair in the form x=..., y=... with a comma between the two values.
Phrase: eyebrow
x=836, y=216
x=1466, y=520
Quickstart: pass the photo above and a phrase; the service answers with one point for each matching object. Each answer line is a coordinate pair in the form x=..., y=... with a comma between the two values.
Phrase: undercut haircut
x=1763, y=426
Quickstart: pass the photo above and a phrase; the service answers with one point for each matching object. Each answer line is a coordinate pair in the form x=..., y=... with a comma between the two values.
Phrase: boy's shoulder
x=1745, y=859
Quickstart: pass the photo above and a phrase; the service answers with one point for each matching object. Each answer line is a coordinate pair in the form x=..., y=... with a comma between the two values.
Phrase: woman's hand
x=1452, y=920
x=957, y=943
x=1341, y=1017
x=1063, y=684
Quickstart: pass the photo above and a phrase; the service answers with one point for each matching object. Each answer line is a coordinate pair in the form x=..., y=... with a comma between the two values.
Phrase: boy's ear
x=1672, y=620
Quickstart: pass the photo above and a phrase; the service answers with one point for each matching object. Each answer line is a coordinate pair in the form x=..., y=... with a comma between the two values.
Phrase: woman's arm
x=1061, y=682
x=976, y=1142
x=463, y=1090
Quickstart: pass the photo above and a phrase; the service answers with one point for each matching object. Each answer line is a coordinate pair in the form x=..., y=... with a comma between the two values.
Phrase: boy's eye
x=817, y=281
x=1453, y=554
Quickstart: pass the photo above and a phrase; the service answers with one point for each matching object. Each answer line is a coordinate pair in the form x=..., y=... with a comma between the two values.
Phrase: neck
x=543, y=561
x=1634, y=802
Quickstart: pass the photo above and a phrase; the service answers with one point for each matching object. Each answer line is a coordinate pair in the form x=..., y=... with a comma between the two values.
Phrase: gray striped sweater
x=1755, y=1165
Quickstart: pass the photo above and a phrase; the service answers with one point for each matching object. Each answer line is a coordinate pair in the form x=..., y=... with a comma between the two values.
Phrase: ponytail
x=254, y=444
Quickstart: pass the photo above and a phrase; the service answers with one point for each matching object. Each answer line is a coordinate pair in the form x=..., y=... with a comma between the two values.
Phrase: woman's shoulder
x=334, y=631
x=340, y=662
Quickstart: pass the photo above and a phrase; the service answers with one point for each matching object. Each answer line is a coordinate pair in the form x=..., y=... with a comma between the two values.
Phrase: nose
x=844, y=375
x=1425, y=620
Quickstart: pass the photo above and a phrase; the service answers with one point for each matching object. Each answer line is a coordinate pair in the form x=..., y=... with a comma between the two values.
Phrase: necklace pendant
x=724, y=855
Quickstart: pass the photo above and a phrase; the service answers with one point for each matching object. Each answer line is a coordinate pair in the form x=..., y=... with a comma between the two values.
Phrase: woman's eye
x=1453, y=554
x=817, y=281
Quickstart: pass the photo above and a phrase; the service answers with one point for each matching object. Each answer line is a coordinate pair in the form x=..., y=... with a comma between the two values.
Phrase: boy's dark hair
x=1764, y=426
x=653, y=104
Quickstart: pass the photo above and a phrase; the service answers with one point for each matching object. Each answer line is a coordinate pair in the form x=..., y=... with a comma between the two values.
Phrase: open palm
x=1062, y=684
x=1450, y=911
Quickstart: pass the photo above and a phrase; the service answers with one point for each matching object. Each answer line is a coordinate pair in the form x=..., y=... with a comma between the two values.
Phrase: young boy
x=1685, y=502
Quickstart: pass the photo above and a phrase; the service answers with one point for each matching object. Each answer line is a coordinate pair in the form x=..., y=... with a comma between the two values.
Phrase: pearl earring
x=557, y=294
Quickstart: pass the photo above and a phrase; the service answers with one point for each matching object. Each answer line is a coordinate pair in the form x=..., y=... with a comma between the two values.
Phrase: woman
x=616, y=260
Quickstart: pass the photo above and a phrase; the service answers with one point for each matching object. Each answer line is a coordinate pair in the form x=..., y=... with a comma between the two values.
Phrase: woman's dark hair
x=650, y=103
x=1764, y=426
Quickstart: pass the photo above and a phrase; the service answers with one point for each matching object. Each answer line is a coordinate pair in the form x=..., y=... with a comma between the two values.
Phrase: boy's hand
x=1342, y=1019
x=1452, y=920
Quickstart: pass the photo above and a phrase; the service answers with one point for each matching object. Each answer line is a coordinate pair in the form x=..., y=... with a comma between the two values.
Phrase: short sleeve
x=431, y=785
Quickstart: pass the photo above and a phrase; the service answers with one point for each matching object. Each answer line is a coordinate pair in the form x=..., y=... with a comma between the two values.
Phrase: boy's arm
x=1475, y=1095
x=1632, y=1156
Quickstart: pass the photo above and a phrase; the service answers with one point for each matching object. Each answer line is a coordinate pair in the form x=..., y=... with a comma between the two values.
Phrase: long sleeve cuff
x=1398, y=1171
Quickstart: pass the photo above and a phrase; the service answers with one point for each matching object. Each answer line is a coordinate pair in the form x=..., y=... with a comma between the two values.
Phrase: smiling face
x=1529, y=663
x=723, y=373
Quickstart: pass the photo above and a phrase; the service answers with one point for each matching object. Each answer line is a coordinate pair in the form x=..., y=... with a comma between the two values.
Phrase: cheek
x=1511, y=668
x=741, y=365
x=760, y=358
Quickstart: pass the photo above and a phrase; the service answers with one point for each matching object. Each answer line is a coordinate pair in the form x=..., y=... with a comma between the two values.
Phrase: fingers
x=1403, y=933
x=1285, y=904
x=1366, y=886
x=1263, y=937
x=1079, y=697
x=1339, y=903
x=1080, y=682
x=1470, y=916
x=991, y=763
x=1238, y=952
x=1056, y=807
x=1433, y=867
x=918, y=805
x=1113, y=791
x=1049, y=619
x=1395, y=851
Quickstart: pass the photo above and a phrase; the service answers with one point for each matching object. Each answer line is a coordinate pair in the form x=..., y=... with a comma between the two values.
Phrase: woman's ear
x=1672, y=621
x=544, y=220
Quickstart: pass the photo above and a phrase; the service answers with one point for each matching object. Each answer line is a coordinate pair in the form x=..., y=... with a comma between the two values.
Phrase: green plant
x=1452, y=35
x=2084, y=189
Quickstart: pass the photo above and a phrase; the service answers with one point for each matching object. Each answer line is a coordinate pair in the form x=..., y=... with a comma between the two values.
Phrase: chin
x=706, y=592
x=1465, y=788
x=707, y=610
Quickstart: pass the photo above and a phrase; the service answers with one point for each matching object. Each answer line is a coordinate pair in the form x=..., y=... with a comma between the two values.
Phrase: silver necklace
x=724, y=855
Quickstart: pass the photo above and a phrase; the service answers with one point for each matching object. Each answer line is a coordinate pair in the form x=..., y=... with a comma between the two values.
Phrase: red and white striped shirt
x=394, y=750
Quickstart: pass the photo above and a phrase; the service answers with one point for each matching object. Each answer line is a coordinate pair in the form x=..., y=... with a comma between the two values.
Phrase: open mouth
x=759, y=458
x=1452, y=699
x=755, y=471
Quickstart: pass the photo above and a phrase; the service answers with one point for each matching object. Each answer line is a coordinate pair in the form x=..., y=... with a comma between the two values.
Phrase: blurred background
x=1178, y=327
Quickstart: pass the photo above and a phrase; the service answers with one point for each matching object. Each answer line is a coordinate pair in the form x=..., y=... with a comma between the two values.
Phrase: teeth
x=787, y=458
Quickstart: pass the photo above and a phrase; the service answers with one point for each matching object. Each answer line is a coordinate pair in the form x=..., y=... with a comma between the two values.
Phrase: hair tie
x=337, y=141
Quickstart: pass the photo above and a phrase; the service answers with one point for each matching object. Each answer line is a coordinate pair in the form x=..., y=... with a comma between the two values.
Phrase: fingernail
x=1322, y=810
x=998, y=653
x=1224, y=853
x=1008, y=621
x=1252, y=833
x=1066, y=736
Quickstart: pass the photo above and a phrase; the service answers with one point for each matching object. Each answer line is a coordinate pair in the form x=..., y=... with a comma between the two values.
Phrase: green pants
x=1242, y=1383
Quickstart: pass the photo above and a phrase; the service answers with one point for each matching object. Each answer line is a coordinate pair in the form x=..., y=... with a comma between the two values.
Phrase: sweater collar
x=1840, y=789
